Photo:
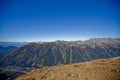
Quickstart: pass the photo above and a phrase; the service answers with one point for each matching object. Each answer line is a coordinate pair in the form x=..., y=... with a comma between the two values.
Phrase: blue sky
x=49, y=20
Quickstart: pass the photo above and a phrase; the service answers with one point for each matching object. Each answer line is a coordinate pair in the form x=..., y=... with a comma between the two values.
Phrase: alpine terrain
x=36, y=55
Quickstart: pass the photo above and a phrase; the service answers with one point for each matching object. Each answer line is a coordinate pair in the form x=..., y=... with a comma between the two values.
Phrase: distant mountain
x=16, y=44
x=103, y=69
x=6, y=47
x=62, y=52
x=6, y=50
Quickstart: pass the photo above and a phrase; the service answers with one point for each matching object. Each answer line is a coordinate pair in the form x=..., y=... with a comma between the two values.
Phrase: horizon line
x=63, y=39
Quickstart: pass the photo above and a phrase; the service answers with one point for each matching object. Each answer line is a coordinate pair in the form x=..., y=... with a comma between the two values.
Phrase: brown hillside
x=102, y=69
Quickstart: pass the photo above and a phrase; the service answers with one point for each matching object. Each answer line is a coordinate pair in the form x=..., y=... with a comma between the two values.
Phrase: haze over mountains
x=16, y=44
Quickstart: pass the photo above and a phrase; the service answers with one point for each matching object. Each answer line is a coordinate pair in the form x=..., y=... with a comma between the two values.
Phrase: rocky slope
x=102, y=69
x=62, y=52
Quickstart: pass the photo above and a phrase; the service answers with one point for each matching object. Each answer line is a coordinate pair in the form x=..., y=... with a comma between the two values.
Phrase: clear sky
x=47, y=20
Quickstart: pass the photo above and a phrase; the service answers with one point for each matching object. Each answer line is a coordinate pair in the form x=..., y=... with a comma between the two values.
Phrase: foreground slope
x=61, y=52
x=102, y=69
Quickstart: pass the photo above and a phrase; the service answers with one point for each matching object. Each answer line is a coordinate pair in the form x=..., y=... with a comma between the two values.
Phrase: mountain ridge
x=62, y=52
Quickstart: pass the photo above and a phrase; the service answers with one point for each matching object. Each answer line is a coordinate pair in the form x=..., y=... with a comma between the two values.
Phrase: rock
x=73, y=74
x=50, y=72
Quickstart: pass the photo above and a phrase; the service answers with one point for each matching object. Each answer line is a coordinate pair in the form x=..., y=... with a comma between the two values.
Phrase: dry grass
x=104, y=69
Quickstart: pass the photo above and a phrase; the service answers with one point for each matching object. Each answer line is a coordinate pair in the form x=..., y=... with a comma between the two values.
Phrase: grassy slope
x=102, y=69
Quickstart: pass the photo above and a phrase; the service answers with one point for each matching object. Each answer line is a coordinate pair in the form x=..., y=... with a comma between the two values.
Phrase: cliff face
x=61, y=52
x=103, y=69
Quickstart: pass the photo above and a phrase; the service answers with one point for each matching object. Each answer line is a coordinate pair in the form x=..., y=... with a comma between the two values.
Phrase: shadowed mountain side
x=5, y=50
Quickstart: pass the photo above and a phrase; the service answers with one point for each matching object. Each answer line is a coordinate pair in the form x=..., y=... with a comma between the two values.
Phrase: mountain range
x=37, y=55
